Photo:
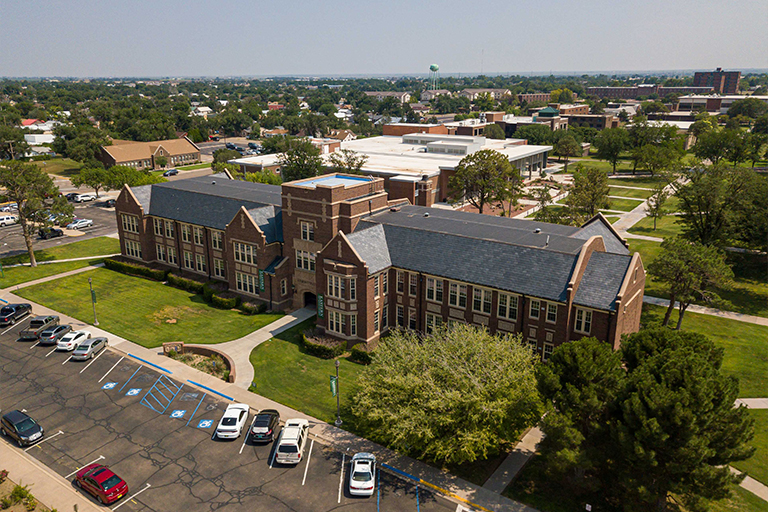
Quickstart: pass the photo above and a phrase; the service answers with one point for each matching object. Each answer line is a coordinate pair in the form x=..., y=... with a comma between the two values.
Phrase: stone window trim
x=457, y=294
x=413, y=284
x=531, y=309
x=551, y=313
x=307, y=230
x=582, y=322
x=508, y=306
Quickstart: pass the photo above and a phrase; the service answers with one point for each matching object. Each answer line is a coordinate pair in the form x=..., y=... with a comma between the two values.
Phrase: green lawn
x=285, y=374
x=666, y=227
x=757, y=466
x=17, y=275
x=146, y=312
x=624, y=205
x=194, y=167
x=60, y=167
x=629, y=192
x=92, y=247
x=639, y=181
x=612, y=218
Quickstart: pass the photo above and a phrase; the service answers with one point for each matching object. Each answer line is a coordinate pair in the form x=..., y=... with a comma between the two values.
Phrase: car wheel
x=21, y=445
x=2, y=431
x=101, y=500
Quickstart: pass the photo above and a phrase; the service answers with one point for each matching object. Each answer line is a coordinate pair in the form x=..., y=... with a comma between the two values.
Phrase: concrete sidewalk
x=702, y=310
x=51, y=278
x=84, y=258
x=753, y=403
x=515, y=461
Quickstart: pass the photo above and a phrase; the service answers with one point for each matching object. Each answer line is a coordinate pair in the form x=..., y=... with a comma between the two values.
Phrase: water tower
x=434, y=77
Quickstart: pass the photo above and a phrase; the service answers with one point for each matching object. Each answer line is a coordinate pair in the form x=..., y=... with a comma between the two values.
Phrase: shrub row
x=322, y=351
x=250, y=308
x=136, y=270
x=185, y=284
x=359, y=354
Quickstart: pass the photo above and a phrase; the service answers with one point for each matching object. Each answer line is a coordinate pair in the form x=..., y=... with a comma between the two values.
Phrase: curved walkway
x=750, y=319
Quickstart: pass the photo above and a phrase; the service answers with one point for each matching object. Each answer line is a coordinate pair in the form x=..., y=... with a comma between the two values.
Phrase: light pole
x=93, y=302
x=338, y=414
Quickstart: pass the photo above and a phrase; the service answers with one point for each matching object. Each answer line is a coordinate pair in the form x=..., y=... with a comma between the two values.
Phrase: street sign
x=333, y=385
x=93, y=296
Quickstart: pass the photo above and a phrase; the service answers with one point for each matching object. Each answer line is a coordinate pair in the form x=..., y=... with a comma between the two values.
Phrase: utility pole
x=93, y=302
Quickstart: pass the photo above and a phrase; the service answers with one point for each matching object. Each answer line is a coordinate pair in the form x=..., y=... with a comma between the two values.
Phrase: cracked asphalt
x=186, y=469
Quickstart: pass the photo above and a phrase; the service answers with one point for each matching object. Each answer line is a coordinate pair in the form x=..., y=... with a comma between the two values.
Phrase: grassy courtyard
x=146, y=312
x=60, y=167
x=644, y=181
x=617, y=190
x=666, y=227
x=194, y=167
x=624, y=205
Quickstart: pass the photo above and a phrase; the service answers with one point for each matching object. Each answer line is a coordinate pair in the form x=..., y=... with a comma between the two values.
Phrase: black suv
x=46, y=233
x=265, y=426
x=12, y=312
x=20, y=427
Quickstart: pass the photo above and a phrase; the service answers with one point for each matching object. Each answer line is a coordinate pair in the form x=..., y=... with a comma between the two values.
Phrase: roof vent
x=426, y=214
x=213, y=182
x=537, y=230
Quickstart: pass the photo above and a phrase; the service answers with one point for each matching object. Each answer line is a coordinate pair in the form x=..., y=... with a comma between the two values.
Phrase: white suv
x=81, y=198
x=293, y=438
x=7, y=220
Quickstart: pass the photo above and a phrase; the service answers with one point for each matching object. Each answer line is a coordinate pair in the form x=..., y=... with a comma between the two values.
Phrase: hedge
x=136, y=270
x=185, y=284
x=359, y=354
x=223, y=302
x=250, y=308
x=322, y=351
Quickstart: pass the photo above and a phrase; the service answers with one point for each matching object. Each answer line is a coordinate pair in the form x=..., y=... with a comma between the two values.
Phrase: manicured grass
x=92, y=247
x=146, y=312
x=629, y=192
x=194, y=167
x=624, y=205
x=639, y=181
x=746, y=353
x=666, y=227
x=17, y=275
x=612, y=218
x=741, y=500
x=757, y=465
x=285, y=374
x=60, y=167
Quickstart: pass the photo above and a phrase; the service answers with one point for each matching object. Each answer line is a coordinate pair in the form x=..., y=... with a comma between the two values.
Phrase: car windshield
x=26, y=425
x=6, y=311
x=288, y=448
x=110, y=482
x=228, y=422
x=361, y=476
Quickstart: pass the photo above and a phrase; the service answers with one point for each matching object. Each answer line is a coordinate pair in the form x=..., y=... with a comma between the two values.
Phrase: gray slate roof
x=270, y=221
x=602, y=280
x=598, y=227
x=371, y=245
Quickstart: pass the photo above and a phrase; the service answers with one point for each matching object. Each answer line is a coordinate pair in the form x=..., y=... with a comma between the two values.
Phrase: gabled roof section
x=600, y=226
x=602, y=280
x=371, y=245
x=270, y=222
x=143, y=195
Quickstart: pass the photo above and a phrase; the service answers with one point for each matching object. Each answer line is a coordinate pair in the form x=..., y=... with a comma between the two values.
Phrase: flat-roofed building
x=723, y=82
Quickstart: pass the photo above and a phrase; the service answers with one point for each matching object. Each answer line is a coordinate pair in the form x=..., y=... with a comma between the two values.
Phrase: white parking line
x=309, y=456
x=341, y=478
x=113, y=367
x=248, y=432
x=78, y=469
x=8, y=329
x=44, y=440
x=51, y=352
x=36, y=344
x=274, y=454
x=67, y=359
x=93, y=360
x=131, y=497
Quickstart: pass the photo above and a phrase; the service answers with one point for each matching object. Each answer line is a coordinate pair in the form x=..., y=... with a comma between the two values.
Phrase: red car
x=101, y=482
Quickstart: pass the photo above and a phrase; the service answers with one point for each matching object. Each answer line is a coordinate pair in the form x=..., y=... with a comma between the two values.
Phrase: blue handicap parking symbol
x=178, y=413
x=109, y=385
x=205, y=424
x=133, y=392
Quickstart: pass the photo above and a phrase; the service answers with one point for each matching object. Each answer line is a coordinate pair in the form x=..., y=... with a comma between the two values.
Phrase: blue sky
x=286, y=37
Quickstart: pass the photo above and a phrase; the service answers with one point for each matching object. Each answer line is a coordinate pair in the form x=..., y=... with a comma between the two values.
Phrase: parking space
x=156, y=433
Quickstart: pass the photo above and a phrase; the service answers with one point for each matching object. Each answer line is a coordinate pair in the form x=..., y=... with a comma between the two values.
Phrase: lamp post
x=338, y=414
x=93, y=302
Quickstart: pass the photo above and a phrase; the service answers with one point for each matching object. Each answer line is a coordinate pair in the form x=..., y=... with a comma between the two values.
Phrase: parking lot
x=156, y=433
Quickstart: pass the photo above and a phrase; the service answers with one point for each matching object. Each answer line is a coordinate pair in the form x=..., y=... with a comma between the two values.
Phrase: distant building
x=276, y=132
x=400, y=96
x=711, y=103
x=570, y=109
x=723, y=82
x=342, y=135
x=548, y=116
x=596, y=121
x=531, y=97
x=431, y=95
x=143, y=155
x=495, y=94
x=400, y=129
x=637, y=91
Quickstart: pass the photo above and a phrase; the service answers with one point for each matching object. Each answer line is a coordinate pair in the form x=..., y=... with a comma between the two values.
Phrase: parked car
x=10, y=313
x=83, y=198
x=265, y=425
x=171, y=172
x=293, y=438
x=100, y=482
x=72, y=340
x=232, y=423
x=110, y=203
x=37, y=326
x=10, y=207
x=21, y=428
x=46, y=233
x=89, y=348
x=52, y=334
x=8, y=220
x=362, y=474
x=254, y=145
x=80, y=223
x=230, y=145
x=214, y=137
x=71, y=196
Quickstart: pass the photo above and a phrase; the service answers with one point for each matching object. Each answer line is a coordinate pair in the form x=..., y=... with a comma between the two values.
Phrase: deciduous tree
x=610, y=143
x=301, y=160
x=655, y=204
x=93, y=177
x=481, y=177
x=567, y=147
x=347, y=161
x=590, y=191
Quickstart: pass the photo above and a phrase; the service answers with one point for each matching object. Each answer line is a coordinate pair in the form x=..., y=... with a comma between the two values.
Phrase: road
x=156, y=433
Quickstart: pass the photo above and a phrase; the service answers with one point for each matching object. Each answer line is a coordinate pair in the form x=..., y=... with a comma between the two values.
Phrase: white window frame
x=432, y=322
x=486, y=300
x=247, y=283
x=189, y=261
x=384, y=283
x=130, y=223
x=200, y=264
x=376, y=288
x=546, y=352
x=457, y=295
x=244, y=253
x=307, y=231
x=413, y=319
x=376, y=320
x=583, y=322
x=537, y=309
x=217, y=240
x=161, y=252
x=435, y=290
x=218, y=268
x=353, y=325
x=400, y=281
x=413, y=284
x=352, y=288
x=197, y=233
x=507, y=307
x=400, y=316
x=186, y=235
x=550, y=307
x=158, y=225
x=133, y=249
x=305, y=260
x=284, y=287
x=170, y=229
x=384, y=316
x=172, y=257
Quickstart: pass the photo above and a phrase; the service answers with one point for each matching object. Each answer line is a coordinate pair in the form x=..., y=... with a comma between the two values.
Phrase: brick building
x=143, y=155
x=370, y=264
x=597, y=121
x=644, y=90
x=722, y=82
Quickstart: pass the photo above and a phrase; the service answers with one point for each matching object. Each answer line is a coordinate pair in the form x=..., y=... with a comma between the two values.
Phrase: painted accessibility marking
x=133, y=392
x=109, y=385
x=178, y=413
x=205, y=424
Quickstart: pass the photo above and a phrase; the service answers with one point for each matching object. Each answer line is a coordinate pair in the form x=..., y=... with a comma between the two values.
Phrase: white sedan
x=362, y=474
x=80, y=223
x=72, y=340
x=81, y=198
x=232, y=423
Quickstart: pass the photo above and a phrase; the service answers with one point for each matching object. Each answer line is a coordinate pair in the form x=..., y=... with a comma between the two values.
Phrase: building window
x=481, y=300
x=170, y=229
x=434, y=289
x=384, y=316
x=376, y=320
x=305, y=260
x=508, y=306
x=160, y=252
x=308, y=231
x=158, y=223
x=375, y=286
x=457, y=295
x=336, y=322
x=583, y=321
x=400, y=281
x=198, y=232
x=353, y=325
x=130, y=223
x=245, y=253
x=217, y=240
x=218, y=268
x=411, y=319
x=352, y=289
x=552, y=313
x=336, y=286
x=548, y=349
x=188, y=260
x=133, y=249
x=413, y=284
x=185, y=233
x=246, y=283
x=534, y=309
x=433, y=322
x=400, y=316
x=283, y=287
x=384, y=283
x=200, y=263
x=172, y=256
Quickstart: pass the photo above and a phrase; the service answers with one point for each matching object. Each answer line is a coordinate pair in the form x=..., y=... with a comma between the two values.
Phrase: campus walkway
x=750, y=319
x=52, y=278
x=515, y=461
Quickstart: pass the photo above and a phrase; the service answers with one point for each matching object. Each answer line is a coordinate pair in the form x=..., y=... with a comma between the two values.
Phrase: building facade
x=144, y=155
x=722, y=82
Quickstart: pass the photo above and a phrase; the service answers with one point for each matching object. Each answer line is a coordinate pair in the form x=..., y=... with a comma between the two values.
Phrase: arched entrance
x=310, y=299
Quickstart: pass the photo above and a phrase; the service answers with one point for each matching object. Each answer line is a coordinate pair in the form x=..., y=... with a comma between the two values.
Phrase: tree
x=301, y=160
x=761, y=125
x=610, y=143
x=347, y=161
x=80, y=141
x=655, y=205
x=93, y=177
x=119, y=175
x=714, y=145
x=224, y=155
x=259, y=177
x=590, y=191
x=494, y=131
x=755, y=146
x=12, y=143
x=451, y=396
x=748, y=107
x=535, y=134
x=657, y=159
x=162, y=161
x=30, y=188
x=567, y=147
x=688, y=271
x=481, y=177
